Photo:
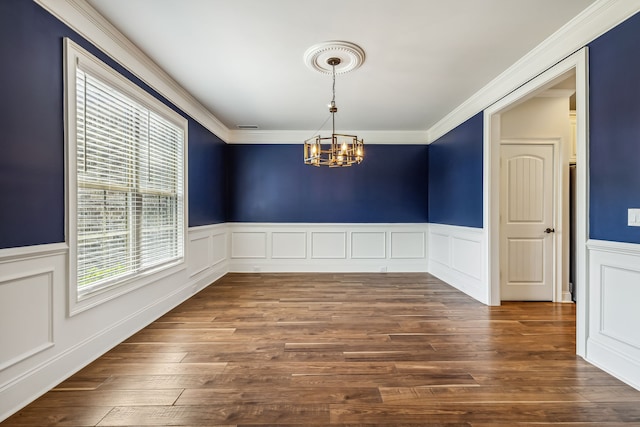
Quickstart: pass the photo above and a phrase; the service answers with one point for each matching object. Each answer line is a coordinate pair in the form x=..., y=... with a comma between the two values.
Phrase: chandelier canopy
x=337, y=150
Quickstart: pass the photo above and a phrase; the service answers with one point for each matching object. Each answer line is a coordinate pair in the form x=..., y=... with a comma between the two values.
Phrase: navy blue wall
x=455, y=175
x=207, y=177
x=270, y=183
x=32, y=140
x=614, y=141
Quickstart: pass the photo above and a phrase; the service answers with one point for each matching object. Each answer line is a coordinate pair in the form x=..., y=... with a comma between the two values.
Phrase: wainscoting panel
x=248, y=244
x=617, y=286
x=294, y=247
x=208, y=250
x=614, y=291
x=368, y=245
x=439, y=247
x=26, y=318
x=200, y=252
x=328, y=245
x=457, y=256
x=32, y=311
x=407, y=245
x=289, y=245
x=219, y=247
x=464, y=256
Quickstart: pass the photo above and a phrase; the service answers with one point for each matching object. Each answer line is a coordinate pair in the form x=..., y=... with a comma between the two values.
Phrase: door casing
x=491, y=160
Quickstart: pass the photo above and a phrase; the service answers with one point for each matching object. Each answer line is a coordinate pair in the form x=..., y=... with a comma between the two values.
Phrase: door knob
x=550, y=230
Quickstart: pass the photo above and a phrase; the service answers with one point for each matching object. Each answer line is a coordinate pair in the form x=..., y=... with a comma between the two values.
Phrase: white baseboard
x=614, y=362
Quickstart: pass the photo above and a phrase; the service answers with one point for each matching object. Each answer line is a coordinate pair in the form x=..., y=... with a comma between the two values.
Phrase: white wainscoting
x=457, y=256
x=207, y=254
x=32, y=311
x=279, y=247
x=41, y=345
x=613, y=341
x=27, y=312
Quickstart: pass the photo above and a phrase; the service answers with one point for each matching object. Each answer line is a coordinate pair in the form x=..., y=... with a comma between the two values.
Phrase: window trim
x=74, y=57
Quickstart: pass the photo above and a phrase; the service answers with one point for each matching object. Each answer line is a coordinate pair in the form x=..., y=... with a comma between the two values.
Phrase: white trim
x=35, y=251
x=86, y=21
x=577, y=33
x=76, y=57
x=614, y=247
x=299, y=136
x=491, y=159
x=614, y=363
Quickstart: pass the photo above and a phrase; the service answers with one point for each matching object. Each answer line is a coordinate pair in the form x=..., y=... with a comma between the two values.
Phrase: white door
x=527, y=225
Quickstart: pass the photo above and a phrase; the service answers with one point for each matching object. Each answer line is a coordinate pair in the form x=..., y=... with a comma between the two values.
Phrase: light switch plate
x=634, y=217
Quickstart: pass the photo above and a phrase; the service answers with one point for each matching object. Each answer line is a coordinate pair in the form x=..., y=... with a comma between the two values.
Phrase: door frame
x=556, y=197
x=491, y=181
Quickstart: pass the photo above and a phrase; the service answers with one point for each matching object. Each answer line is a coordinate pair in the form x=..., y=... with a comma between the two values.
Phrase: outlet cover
x=633, y=217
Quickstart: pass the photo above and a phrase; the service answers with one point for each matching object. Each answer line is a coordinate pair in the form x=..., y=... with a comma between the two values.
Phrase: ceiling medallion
x=351, y=57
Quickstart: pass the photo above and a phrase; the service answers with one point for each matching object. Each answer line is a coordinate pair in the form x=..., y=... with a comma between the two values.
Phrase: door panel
x=525, y=261
x=527, y=210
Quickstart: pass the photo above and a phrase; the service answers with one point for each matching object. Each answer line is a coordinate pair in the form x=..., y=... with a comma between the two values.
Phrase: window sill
x=79, y=303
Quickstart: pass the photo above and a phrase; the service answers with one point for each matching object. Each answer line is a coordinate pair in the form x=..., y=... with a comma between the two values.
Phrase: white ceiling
x=243, y=59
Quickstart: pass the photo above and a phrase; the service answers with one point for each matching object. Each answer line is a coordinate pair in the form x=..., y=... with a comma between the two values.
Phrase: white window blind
x=129, y=186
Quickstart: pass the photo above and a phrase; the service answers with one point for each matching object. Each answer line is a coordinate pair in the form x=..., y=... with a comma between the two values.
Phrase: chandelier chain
x=333, y=100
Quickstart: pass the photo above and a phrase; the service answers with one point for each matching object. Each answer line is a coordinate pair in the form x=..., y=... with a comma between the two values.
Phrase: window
x=126, y=178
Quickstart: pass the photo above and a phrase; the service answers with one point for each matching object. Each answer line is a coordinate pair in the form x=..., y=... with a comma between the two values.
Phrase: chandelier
x=337, y=150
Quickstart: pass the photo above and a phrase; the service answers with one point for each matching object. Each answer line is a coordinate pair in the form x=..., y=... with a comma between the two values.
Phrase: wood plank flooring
x=342, y=350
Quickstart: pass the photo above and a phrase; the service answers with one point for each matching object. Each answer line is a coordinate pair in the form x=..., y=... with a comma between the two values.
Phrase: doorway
x=575, y=64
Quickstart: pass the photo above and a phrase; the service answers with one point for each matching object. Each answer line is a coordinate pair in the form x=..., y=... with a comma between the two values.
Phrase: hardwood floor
x=342, y=349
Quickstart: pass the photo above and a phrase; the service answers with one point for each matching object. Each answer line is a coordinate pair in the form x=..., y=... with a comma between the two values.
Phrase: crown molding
x=594, y=21
x=585, y=27
x=299, y=136
x=87, y=22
